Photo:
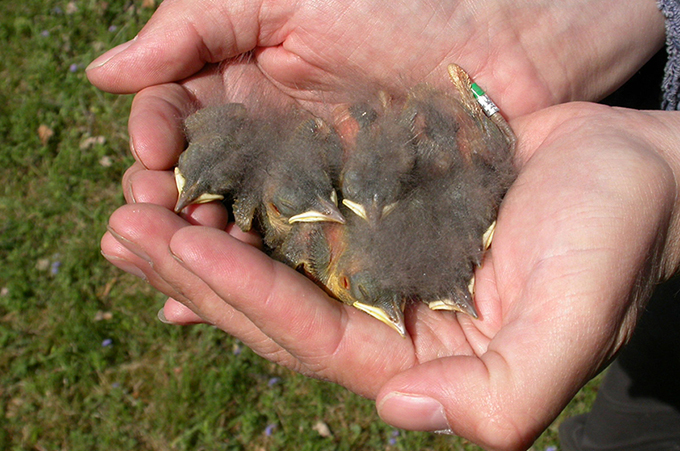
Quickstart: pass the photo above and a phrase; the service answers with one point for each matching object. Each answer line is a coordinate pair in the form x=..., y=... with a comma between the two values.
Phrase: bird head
x=353, y=278
x=195, y=192
x=197, y=174
x=216, y=155
x=362, y=290
x=379, y=166
x=380, y=303
x=301, y=200
x=368, y=198
x=298, y=186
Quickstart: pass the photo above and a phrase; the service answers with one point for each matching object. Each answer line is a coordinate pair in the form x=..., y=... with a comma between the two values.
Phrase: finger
x=331, y=340
x=144, y=230
x=157, y=115
x=125, y=254
x=156, y=125
x=174, y=312
x=529, y=371
x=159, y=188
x=117, y=250
x=127, y=193
x=122, y=258
x=141, y=185
x=250, y=237
x=179, y=39
x=433, y=397
x=532, y=367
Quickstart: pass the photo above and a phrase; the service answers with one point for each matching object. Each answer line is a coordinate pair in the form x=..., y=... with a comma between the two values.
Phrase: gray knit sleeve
x=671, y=82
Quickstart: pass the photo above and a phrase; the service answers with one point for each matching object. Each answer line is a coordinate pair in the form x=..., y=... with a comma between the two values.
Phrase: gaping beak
x=324, y=211
x=188, y=195
x=391, y=314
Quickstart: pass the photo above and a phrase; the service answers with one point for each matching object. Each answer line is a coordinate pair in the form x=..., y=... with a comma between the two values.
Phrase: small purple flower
x=113, y=28
x=551, y=448
x=393, y=439
x=57, y=10
x=54, y=268
x=273, y=381
x=115, y=385
x=236, y=350
x=269, y=430
x=45, y=33
x=107, y=342
x=73, y=67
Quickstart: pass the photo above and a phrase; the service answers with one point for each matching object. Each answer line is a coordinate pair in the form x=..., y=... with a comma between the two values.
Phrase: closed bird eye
x=283, y=205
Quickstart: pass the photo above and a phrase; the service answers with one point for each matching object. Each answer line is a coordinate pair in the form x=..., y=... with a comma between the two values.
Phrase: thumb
x=461, y=395
x=179, y=39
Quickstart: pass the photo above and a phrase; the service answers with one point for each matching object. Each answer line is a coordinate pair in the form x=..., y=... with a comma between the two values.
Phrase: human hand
x=527, y=54
x=587, y=229
x=481, y=375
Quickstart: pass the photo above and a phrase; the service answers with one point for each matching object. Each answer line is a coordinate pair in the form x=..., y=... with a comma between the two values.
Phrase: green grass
x=84, y=364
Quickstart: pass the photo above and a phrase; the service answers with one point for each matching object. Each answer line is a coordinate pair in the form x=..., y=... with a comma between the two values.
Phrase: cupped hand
x=583, y=234
x=586, y=230
x=528, y=54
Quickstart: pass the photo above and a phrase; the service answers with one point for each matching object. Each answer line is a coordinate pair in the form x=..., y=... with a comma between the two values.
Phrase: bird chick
x=440, y=229
x=463, y=167
x=218, y=154
x=313, y=248
x=294, y=183
x=427, y=248
x=357, y=277
x=378, y=165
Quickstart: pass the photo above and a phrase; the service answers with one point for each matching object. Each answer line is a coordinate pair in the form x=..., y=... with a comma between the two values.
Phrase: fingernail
x=132, y=247
x=162, y=318
x=131, y=193
x=125, y=266
x=134, y=153
x=176, y=257
x=415, y=412
x=108, y=56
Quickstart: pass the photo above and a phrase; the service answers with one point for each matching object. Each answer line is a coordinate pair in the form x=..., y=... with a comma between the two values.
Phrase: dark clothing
x=638, y=404
x=671, y=82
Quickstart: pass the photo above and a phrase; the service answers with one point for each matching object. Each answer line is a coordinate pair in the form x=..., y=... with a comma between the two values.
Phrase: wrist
x=600, y=46
x=661, y=129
